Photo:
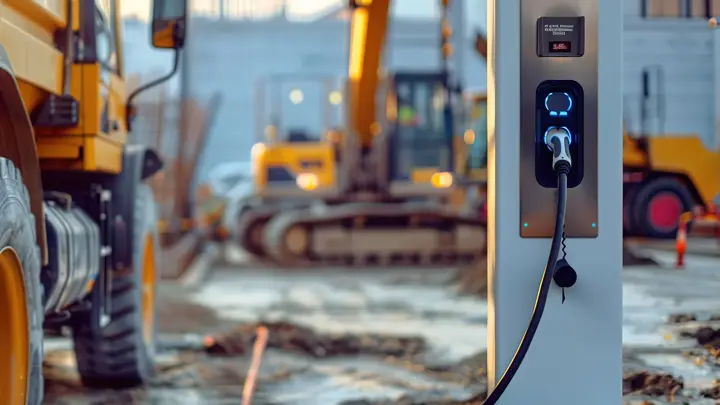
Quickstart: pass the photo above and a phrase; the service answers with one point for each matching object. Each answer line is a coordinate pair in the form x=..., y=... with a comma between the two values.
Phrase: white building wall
x=679, y=55
x=229, y=57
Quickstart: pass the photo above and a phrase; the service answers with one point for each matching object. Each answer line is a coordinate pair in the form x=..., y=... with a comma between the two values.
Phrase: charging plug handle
x=559, y=140
x=561, y=164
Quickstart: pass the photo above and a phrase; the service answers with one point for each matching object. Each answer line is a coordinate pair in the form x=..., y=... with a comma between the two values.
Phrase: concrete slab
x=408, y=302
x=695, y=246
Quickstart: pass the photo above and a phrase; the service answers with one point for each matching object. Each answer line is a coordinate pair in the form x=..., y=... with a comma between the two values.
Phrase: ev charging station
x=555, y=136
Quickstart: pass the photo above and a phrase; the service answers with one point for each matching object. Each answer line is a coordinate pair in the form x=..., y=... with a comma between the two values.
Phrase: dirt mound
x=674, y=319
x=706, y=337
x=652, y=384
x=286, y=336
x=636, y=383
x=712, y=392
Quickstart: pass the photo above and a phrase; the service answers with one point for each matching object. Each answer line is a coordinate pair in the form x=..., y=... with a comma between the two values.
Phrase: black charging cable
x=559, y=143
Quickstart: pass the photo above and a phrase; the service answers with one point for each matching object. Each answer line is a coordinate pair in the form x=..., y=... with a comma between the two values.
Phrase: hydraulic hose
x=562, y=169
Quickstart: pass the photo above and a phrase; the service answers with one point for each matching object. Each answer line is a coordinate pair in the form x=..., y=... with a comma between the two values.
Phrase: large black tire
x=17, y=231
x=630, y=226
x=660, y=187
x=119, y=355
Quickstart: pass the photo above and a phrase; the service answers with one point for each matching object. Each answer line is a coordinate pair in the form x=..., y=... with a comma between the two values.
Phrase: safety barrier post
x=681, y=239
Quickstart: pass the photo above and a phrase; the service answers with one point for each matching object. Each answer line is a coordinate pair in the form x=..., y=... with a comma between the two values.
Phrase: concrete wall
x=682, y=56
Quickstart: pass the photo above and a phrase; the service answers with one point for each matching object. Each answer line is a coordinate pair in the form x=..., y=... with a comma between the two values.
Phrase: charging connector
x=559, y=117
x=559, y=140
x=559, y=143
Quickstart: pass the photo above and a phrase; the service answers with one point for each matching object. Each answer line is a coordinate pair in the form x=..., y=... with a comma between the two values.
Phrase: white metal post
x=576, y=356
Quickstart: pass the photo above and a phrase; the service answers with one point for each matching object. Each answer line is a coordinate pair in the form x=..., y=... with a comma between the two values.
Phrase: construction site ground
x=402, y=336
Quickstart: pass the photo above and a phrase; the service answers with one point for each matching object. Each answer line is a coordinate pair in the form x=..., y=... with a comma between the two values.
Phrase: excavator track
x=251, y=223
x=250, y=228
x=375, y=234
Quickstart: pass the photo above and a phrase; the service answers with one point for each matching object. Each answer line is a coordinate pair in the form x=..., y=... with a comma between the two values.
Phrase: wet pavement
x=408, y=302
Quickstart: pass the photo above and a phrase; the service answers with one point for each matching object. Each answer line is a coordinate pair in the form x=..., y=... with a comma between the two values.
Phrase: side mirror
x=169, y=21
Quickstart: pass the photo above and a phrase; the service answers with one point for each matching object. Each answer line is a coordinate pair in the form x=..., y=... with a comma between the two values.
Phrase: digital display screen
x=560, y=46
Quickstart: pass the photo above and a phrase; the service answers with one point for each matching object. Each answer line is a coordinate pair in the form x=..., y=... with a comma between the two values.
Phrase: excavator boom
x=369, y=25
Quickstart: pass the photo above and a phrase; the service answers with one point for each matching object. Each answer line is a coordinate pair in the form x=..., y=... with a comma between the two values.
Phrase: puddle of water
x=338, y=380
x=352, y=303
x=679, y=365
x=159, y=396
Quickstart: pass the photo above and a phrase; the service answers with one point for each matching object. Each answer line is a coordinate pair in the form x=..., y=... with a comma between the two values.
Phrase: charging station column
x=555, y=66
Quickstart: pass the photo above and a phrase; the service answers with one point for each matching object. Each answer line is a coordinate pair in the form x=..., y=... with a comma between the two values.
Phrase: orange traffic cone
x=681, y=244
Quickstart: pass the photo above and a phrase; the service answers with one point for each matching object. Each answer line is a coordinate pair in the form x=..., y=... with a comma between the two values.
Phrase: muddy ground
x=362, y=337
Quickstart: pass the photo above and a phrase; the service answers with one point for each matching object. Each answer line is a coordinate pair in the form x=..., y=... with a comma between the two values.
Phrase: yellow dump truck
x=665, y=176
x=78, y=239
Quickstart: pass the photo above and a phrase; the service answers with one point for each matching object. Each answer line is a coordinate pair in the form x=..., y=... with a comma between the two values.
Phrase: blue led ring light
x=555, y=113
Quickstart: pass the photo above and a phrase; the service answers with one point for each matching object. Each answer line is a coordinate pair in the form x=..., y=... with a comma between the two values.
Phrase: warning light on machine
x=560, y=46
x=441, y=180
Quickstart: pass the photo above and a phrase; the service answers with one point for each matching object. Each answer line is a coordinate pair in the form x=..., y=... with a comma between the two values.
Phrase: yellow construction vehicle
x=395, y=176
x=79, y=242
x=288, y=173
x=291, y=168
x=665, y=176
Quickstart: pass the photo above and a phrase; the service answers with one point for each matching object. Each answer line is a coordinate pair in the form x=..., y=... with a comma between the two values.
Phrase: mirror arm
x=147, y=86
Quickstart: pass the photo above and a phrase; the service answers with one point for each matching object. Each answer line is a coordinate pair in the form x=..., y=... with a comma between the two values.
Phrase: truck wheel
x=630, y=226
x=121, y=355
x=21, y=311
x=658, y=206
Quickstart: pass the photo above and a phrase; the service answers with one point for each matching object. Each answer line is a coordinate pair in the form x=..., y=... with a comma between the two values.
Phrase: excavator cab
x=291, y=162
x=420, y=135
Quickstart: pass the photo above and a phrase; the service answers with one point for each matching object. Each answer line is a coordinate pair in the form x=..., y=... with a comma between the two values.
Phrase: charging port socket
x=559, y=106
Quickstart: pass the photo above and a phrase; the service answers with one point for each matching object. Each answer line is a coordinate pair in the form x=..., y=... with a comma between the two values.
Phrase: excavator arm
x=369, y=25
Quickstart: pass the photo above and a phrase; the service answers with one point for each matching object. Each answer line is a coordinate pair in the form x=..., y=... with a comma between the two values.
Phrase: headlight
x=441, y=180
x=257, y=150
x=256, y=153
x=307, y=181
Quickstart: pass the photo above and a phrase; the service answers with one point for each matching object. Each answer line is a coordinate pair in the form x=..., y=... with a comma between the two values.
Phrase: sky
x=474, y=9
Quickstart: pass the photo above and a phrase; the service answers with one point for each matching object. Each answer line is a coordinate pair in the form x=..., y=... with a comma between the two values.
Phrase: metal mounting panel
x=537, y=204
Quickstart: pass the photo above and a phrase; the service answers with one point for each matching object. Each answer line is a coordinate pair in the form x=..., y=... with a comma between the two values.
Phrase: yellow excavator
x=387, y=201
x=78, y=246
x=288, y=173
x=290, y=169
